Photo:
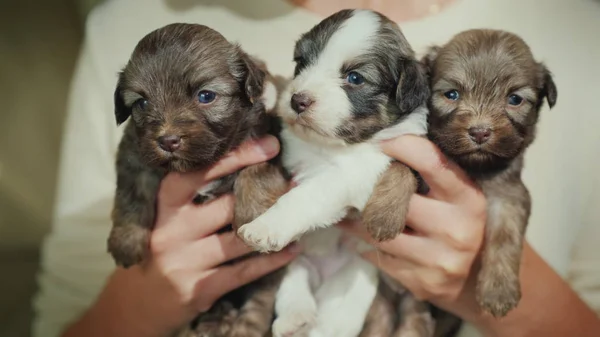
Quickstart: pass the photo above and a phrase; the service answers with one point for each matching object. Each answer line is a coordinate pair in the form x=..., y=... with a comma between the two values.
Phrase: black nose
x=169, y=143
x=301, y=102
x=480, y=135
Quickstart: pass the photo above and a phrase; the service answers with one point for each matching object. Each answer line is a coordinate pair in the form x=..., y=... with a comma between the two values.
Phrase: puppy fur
x=487, y=91
x=191, y=97
x=356, y=82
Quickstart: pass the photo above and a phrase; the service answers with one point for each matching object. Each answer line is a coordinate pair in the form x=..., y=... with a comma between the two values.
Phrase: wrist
x=548, y=306
x=119, y=311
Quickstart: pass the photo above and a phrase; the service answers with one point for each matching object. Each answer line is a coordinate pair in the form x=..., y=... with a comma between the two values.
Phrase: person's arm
x=438, y=261
x=110, y=315
x=548, y=307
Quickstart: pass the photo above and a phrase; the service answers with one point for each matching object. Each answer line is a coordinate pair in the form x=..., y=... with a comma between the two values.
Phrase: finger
x=196, y=221
x=425, y=216
x=446, y=180
x=403, y=272
x=430, y=217
x=180, y=188
x=249, y=153
x=224, y=279
x=418, y=249
x=217, y=249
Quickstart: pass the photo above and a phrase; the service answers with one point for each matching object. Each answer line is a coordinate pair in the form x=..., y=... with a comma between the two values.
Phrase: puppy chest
x=351, y=170
x=324, y=251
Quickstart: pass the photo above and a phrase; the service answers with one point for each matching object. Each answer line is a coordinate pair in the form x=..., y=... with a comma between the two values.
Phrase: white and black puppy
x=356, y=83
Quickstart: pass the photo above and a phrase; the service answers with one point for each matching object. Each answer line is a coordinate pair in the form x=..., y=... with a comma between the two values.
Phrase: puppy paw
x=128, y=244
x=296, y=323
x=263, y=237
x=498, y=296
x=380, y=234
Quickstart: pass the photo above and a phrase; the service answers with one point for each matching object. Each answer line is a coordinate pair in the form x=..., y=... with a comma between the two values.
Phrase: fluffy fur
x=191, y=97
x=487, y=91
x=356, y=82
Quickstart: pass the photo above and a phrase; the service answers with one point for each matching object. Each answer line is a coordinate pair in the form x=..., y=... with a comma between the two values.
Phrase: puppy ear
x=429, y=58
x=252, y=72
x=121, y=111
x=413, y=86
x=549, y=88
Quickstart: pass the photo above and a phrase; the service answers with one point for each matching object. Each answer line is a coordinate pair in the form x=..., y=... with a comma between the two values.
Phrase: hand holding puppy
x=183, y=275
x=435, y=261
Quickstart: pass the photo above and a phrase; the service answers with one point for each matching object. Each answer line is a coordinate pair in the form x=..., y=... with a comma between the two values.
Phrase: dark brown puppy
x=192, y=97
x=487, y=91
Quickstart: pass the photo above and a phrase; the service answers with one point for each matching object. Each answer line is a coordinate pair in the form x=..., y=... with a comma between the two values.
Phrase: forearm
x=548, y=307
x=113, y=315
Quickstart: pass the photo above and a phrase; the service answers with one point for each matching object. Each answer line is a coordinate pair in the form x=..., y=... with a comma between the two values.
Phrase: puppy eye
x=515, y=100
x=452, y=95
x=141, y=104
x=355, y=78
x=206, y=96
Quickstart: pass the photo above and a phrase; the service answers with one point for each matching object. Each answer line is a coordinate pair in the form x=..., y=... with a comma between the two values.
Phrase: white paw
x=264, y=237
x=295, y=324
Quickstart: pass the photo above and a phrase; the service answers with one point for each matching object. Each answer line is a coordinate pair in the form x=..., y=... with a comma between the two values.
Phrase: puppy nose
x=480, y=135
x=301, y=102
x=169, y=143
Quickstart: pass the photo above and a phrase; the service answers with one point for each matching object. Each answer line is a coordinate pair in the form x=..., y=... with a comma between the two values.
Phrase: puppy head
x=487, y=90
x=355, y=75
x=188, y=92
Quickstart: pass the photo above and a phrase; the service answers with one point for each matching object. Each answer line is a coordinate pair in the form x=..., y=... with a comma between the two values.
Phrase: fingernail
x=268, y=145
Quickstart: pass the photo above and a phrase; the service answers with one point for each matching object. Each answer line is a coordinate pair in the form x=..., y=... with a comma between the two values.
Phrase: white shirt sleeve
x=584, y=271
x=74, y=263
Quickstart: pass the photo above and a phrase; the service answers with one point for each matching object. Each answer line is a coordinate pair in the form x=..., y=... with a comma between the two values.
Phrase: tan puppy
x=487, y=91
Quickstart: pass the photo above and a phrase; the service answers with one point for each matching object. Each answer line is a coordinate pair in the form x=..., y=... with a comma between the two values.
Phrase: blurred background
x=39, y=44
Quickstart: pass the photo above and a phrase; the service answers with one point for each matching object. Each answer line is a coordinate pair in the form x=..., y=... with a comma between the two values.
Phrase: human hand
x=182, y=277
x=434, y=261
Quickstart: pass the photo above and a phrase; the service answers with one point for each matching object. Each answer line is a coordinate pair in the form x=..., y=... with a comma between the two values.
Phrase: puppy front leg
x=498, y=288
x=303, y=208
x=134, y=210
x=256, y=189
x=295, y=304
x=385, y=213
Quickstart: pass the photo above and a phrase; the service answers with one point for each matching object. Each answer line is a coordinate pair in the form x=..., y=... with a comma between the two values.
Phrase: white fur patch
x=322, y=80
x=269, y=96
x=330, y=179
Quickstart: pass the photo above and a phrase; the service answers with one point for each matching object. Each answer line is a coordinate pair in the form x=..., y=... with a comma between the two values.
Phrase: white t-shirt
x=560, y=169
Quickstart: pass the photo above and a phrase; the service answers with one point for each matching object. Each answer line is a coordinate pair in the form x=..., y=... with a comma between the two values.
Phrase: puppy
x=487, y=91
x=356, y=82
x=192, y=97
